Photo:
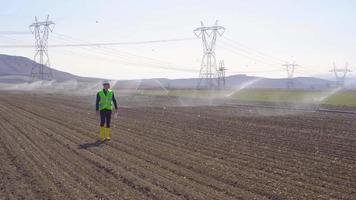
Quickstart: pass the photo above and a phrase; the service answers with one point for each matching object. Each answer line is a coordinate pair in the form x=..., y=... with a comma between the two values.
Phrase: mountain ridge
x=16, y=69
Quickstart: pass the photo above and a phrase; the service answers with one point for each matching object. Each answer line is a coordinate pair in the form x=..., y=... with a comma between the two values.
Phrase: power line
x=251, y=50
x=123, y=59
x=14, y=33
x=102, y=44
x=267, y=56
x=113, y=51
x=258, y=71
x=249, y=55
x=310, y=69
x=87, y=44
x=139, y=60
x=123, y=43
x=243, y=54
x=118, y=56
x=258, y=58
x=131, y=59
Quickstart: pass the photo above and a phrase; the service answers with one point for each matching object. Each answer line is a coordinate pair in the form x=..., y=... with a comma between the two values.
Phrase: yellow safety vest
x=105, y=100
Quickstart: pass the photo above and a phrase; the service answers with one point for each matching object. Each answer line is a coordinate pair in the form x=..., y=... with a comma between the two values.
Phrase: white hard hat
x=106, y=82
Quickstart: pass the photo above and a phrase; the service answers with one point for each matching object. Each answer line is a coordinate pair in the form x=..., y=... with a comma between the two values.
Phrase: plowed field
x=49, y=150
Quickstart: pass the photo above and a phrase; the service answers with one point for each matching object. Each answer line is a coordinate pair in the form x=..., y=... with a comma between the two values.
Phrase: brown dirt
x=48, y=150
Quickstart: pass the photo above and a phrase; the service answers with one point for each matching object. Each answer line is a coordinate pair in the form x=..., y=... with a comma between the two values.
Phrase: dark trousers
x=105, y=117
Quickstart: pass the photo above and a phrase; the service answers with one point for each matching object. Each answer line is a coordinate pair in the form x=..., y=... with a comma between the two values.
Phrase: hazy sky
x=315, y=32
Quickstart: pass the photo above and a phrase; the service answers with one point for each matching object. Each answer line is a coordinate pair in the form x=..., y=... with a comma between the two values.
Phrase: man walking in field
x=104, y=100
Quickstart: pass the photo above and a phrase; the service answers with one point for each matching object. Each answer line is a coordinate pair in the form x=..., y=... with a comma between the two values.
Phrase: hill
x=16, y=69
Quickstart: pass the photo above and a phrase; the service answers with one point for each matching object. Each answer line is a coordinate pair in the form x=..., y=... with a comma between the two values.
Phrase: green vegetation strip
x=332, y=97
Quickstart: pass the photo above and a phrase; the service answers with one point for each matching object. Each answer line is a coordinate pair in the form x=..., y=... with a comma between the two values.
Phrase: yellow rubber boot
x=107, y=133
x=102, y=133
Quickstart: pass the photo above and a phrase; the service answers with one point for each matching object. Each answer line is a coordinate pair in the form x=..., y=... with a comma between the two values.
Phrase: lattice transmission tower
x=221, y=75
x=340, y=74
x=290, y=68
x=41, y=30
x=208, y=70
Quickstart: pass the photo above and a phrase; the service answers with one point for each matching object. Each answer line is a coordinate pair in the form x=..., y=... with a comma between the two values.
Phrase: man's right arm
x=97, y=102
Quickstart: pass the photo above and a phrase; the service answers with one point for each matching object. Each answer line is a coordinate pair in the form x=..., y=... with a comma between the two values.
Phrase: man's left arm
x=114, y=101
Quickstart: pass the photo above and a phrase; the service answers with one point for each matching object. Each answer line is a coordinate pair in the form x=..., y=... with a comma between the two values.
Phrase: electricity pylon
x=41, y=31
x=221, y=75
x=290, y=68
x=340, y=74
x=208, y=69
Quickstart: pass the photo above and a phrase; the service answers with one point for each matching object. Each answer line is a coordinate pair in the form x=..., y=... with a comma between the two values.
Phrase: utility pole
x=208, y=69
x=41, y=31
x=290, y=68
x=340, y=74
x=221, y=75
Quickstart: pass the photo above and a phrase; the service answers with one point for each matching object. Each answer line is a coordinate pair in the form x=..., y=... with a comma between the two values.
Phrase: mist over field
x=178, y=100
